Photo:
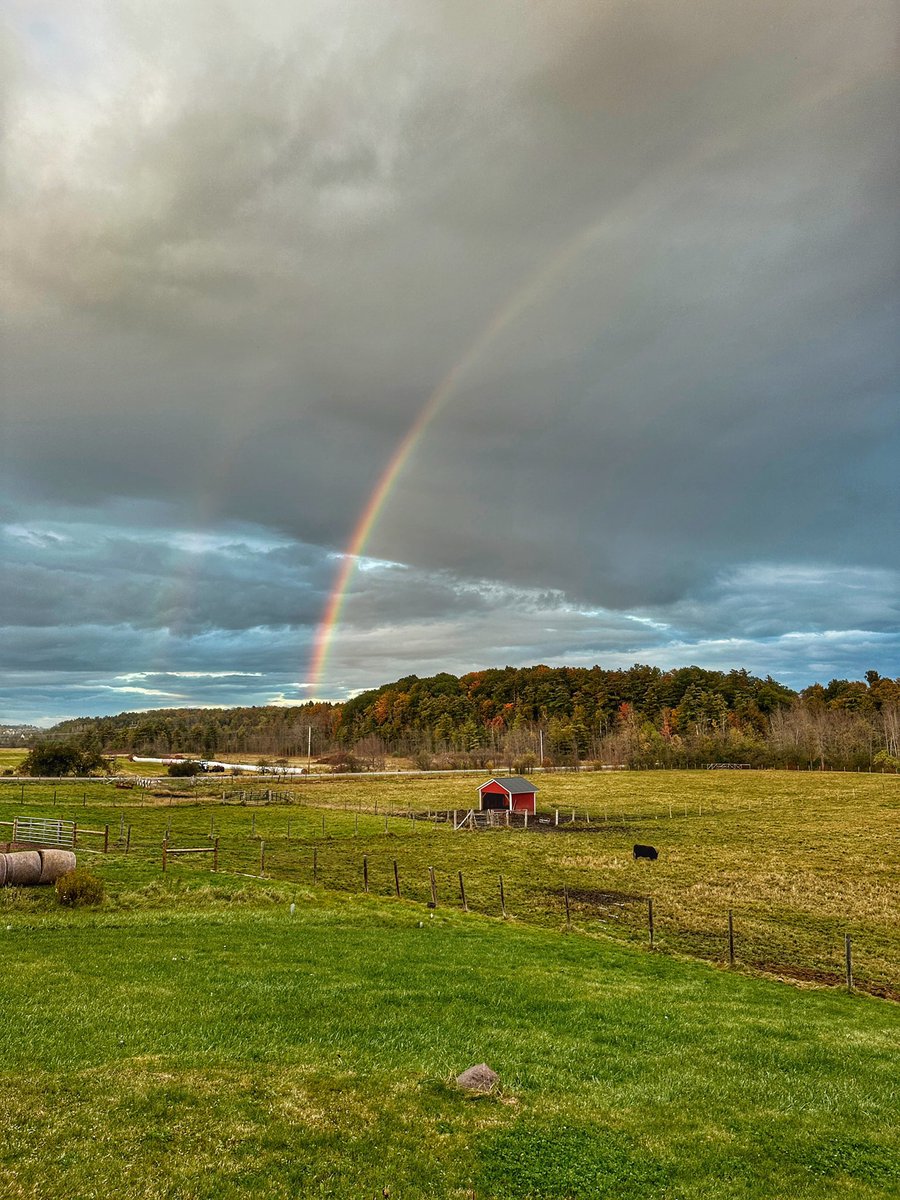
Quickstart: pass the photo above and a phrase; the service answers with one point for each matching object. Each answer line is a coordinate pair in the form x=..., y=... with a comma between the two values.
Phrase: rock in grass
x=478, y=1079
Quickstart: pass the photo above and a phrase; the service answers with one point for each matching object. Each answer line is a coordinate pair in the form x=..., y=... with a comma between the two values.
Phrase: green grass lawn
x=192, y=1038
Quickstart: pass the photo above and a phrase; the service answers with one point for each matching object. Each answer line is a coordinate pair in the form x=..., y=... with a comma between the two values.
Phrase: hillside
x=642, y=717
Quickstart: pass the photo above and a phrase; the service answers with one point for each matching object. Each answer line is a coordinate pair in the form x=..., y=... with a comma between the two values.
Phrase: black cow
x=646, y=852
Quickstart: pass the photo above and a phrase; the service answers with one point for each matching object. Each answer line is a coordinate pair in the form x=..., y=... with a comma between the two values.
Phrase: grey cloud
x=81, y=574
x=398, y=621
x=246, y=244
x=764, y=600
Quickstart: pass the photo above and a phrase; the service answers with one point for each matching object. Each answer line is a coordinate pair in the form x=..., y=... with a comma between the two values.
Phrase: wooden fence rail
x=168, y=851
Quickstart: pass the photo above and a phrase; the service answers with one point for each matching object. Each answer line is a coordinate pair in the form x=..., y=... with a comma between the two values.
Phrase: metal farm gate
x=44, y=831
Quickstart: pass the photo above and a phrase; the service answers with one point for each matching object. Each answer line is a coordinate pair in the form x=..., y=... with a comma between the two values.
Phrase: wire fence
x=424, y=863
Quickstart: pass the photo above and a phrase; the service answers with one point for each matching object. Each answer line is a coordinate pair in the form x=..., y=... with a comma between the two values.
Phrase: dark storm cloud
x=74, y=574
x=246, y=243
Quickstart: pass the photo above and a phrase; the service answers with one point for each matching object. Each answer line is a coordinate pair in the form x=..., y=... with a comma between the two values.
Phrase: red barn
x=513, y=794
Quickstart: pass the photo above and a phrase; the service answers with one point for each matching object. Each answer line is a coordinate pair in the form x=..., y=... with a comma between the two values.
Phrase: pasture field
x=11, y=758
x=801, y=859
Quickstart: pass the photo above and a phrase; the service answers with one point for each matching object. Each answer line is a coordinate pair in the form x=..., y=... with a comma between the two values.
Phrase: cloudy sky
x=243, y=244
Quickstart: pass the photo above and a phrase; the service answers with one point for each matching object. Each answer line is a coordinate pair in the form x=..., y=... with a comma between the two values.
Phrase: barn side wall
x=524, y=802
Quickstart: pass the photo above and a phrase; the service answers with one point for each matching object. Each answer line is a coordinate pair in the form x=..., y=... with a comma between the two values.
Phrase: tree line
x=556, y=716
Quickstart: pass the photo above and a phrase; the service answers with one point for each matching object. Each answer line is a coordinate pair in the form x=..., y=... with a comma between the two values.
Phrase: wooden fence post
x=365, y=873
x=568, y=913
x=323, y=824
x=462, y=893
x=502, y=898
x=650, y=919
x=215, y=853
x=75, y=833
x=556, y=817
x=165, y=849
x=262, y=856
x=730, y=939
x=356, y=823
x=848, y=961
x=128, y=840
x=396, y=879
x=105, y=839
x=433, y=888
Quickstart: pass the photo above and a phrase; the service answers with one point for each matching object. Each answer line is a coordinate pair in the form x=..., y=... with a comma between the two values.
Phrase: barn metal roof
x=514, y=784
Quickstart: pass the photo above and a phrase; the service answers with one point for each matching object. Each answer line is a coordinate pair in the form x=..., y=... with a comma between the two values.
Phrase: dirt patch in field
x=798, y=974
x=541, y=825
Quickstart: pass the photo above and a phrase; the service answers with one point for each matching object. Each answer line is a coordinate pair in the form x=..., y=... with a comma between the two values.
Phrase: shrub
x=887, y=762
x=185, y=769
x=79, y=887
x=62, y=758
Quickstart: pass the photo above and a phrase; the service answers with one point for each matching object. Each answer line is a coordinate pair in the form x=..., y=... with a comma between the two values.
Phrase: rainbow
x=504, y=316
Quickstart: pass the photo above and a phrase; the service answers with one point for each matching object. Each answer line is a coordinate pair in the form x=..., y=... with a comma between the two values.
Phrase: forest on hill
x=561, y=716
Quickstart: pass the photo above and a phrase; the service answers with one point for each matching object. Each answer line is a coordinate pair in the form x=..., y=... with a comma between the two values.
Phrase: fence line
x=729, y=952
x=728, y=932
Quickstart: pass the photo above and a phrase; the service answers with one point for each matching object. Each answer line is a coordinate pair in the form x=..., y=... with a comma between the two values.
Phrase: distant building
x=513, y=794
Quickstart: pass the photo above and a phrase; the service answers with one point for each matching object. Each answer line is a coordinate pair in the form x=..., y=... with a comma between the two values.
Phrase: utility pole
x=309, y=749
x=541, y=736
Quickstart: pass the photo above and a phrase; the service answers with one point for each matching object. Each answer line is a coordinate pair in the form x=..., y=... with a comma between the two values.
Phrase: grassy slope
x=200, y=1041
x=800, y=858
